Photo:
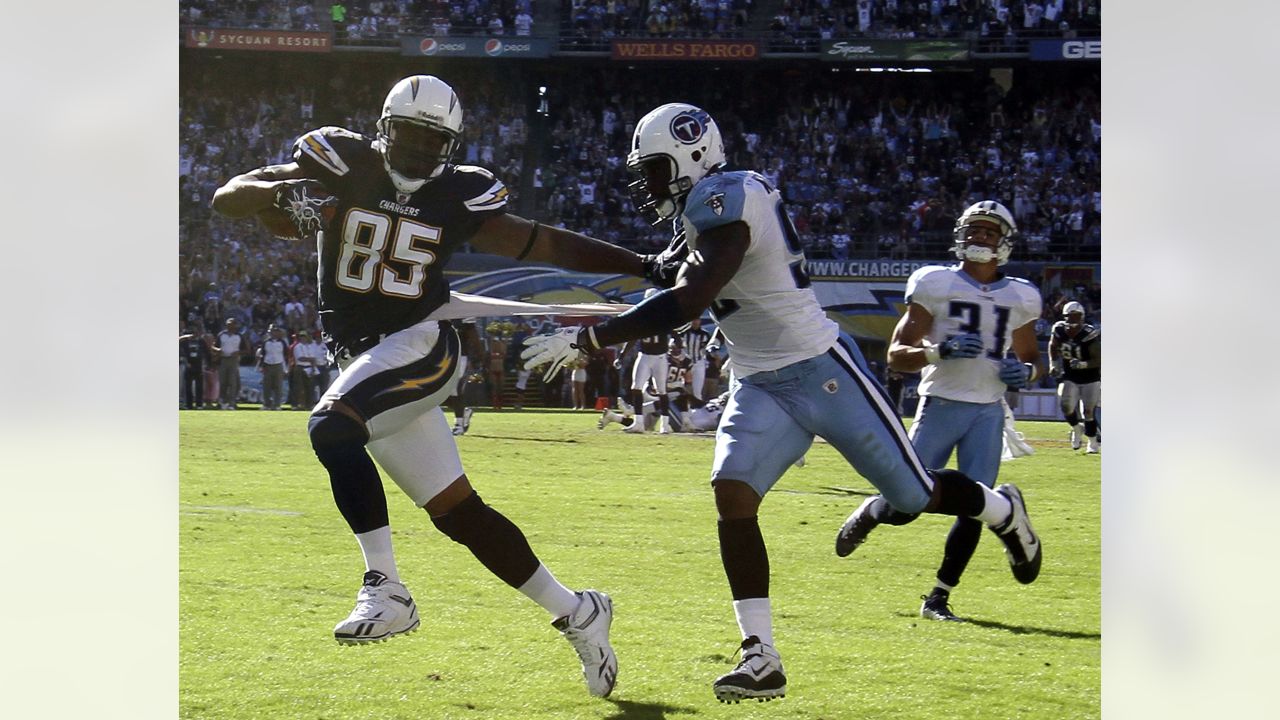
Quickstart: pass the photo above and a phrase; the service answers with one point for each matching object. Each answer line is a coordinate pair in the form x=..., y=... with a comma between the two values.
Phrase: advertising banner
x=685, y=50
x=272, y=40
x=863, y=49
x=1090, y=49
x=511, y=47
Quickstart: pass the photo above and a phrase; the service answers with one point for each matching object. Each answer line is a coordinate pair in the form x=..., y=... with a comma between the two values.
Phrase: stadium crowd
x=877, y=168
x=358, y=20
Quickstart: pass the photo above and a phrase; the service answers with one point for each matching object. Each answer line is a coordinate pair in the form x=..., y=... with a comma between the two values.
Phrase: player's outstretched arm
x=254, y=191
x=702, y=276
x=514, y=236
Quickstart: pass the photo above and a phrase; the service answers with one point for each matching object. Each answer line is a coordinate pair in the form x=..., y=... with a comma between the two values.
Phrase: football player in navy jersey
x=388, y=211
x=1075, y=352
x=796, y=375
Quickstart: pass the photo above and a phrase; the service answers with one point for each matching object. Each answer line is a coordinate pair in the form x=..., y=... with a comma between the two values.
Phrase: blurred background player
x=1075, y=358
x=472, y=357
x=695, y=341
x=961, y=322
x=650, y=364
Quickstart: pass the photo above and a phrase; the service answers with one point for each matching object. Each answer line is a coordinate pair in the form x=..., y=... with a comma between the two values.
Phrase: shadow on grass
x=560, y=441
x=1022, y=629
x=628, y=710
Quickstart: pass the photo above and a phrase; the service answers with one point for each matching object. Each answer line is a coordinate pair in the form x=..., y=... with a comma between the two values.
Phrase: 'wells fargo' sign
x=685, y=50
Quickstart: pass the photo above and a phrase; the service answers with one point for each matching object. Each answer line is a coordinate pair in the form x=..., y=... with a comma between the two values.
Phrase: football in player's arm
x=388, y=211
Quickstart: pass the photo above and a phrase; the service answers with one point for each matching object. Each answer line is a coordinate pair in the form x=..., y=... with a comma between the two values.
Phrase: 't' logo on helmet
x=687, y=127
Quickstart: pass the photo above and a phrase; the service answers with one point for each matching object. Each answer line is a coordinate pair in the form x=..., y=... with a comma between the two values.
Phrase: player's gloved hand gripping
x=557, y=349
x=1015, y=374
x=661, y=269
x=961, y=346
x=307, y=204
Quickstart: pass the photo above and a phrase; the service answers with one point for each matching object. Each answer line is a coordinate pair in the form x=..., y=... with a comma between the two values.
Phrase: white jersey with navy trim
x=769, y=315
x=960, y=305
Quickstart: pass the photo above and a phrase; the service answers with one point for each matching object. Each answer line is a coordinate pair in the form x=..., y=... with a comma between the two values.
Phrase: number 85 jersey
x=961, y=305
x=382, y=257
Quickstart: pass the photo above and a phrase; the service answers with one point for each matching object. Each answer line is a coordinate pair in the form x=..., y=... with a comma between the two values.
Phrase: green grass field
x=268, y=566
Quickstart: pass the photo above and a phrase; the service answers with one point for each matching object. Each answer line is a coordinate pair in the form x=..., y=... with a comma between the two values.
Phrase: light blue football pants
x=772, y=418
x=973, y=430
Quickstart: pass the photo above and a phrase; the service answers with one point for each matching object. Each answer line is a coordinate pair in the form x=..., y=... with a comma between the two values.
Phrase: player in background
x=650, y=364
x=1075, y=358
x=796, y=375
x=388, y=211
x=961, y=323
x=695, y=341
x=471, y=356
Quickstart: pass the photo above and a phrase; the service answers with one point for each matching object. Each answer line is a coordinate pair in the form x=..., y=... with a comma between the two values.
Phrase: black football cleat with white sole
x=758, y=676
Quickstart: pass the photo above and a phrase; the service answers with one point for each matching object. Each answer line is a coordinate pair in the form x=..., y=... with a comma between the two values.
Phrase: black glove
x=662, y=269
x=308, y=204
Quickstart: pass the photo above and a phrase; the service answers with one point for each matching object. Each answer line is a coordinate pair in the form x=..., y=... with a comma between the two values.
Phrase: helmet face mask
x=674, y=146
x=995, y=218
x=419, y=131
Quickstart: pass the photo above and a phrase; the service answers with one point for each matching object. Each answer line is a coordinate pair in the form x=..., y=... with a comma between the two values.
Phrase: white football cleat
x=664, y=425
x=1077, y=432
x=608, y=416
x=383, y=608
x=636, y=426
x=587, y=630
x=1095, y=445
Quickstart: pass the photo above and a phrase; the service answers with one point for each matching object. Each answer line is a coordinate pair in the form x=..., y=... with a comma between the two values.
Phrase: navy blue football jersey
x=383, y=254
x=1078, y=348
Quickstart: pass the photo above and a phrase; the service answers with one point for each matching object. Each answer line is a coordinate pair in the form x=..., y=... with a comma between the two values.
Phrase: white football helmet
x=1072, y=308
x=991, y=211
x=673, y=147
x=409, y=155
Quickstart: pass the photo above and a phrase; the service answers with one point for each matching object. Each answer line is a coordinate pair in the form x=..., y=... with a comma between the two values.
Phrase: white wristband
x=932, y=354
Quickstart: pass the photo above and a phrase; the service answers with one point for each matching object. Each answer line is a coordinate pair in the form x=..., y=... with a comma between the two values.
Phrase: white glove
x=557, y=349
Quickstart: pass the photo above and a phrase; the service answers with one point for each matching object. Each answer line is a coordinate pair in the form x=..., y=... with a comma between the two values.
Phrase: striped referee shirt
x=695, y=344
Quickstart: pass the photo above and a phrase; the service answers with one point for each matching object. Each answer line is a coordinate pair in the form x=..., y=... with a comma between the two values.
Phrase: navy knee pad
x=335, y=432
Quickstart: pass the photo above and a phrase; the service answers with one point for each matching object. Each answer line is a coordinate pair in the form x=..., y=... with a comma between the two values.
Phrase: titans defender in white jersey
x=796, y=374
x=961, y=323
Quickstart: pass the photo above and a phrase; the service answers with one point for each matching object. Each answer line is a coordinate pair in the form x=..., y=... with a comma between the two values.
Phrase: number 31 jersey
x=382, y=257
x=768, y=313
x=961, y=305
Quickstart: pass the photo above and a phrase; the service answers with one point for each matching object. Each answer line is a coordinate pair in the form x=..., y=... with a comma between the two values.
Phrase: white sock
x=755, y=617
x=996, y=509
x=543, y=588
x=943, y=586
x=376, y=546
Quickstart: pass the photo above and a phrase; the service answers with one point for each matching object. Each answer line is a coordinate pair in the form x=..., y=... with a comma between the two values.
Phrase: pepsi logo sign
x=428, y=46
x=493, y=47
x=687, y=127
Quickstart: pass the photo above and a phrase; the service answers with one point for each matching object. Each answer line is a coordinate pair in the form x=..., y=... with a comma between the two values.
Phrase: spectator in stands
x=301, y=388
